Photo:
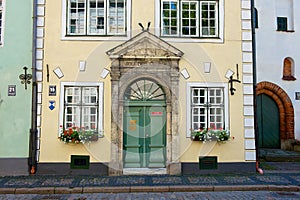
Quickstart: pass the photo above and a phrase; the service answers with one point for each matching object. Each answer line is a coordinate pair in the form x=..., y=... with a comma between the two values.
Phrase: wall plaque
x=12, y=90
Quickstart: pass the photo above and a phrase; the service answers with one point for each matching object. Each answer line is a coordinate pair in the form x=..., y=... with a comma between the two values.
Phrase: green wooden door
x=268, y=122
x=144, y=136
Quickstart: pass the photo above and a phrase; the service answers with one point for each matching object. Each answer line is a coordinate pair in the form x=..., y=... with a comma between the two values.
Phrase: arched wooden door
x=144, y=126
x=268, y=122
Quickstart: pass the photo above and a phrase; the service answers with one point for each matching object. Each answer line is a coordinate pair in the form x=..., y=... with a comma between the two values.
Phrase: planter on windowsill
x=76, y=136
x=207, y=135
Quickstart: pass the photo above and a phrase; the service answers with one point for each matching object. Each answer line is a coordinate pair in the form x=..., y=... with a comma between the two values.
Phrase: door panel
x=157, y=139
x=144, y=136
x=268, y=122
x=132, y=146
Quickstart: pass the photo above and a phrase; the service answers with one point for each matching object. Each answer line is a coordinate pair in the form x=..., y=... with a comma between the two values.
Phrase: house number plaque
x=12, y=90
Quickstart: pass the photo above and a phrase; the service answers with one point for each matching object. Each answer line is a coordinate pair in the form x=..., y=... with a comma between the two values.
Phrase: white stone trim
x=248, y=110
x=39, y=64
x=248, y=100
x=3, y=23
x=247, y=63
x=250, y=155
x=250, y=144
x=249, y=133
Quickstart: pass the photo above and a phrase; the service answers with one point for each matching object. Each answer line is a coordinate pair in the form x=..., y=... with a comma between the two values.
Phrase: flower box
x=78, y=135
x=207, y=134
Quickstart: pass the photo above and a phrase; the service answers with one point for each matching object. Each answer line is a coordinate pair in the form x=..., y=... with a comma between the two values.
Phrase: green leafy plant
x=208, y=134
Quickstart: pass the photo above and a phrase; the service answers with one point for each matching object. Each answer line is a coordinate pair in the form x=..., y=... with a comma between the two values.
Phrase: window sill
x=288, y=78
x=95, y=38
x=287, y=31
x=192, y=40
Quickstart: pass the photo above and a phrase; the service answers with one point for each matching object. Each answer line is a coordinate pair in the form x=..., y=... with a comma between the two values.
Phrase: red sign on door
x=156, y=113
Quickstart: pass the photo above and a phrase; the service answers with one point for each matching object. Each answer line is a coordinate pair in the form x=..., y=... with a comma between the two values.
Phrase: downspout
x=259, y=170
x=32, y=159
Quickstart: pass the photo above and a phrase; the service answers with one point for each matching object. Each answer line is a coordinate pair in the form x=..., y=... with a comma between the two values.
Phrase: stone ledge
x=66, y=190
x=106, y=189
x=7, y=190
x=129, y=189
x=191, y=188
x=42, y=190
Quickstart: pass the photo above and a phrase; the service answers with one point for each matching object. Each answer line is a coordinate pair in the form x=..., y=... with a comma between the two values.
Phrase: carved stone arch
x=286, y=111
x=144, y=56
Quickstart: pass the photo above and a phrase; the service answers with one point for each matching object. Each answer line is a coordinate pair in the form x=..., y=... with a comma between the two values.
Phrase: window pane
x=89, y=119
x=169, y=18
x=189, y=18
x=209, y=19
x=72, y=116
x=116, y=17
x=76, y=17
x=72, y=95
x=96, y=17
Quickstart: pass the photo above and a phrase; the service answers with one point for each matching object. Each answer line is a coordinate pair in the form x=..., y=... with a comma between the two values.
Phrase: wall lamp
x=25, y=78
x=229, y=75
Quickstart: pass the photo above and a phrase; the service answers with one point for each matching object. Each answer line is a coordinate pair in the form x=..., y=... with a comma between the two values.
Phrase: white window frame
x=189, y=86
x=2, y=20
x=100, y=104
x=216, y=21
x=196, y=39
x=95, y=37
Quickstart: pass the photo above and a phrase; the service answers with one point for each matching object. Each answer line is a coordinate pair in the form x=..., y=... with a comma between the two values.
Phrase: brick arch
x=285, y=106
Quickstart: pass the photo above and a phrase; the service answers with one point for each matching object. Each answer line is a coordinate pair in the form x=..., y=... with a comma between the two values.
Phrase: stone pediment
x=145, y=46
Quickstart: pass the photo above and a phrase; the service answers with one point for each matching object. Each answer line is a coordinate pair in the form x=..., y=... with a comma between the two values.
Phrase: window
x=288, y=69
x=1, y=19
x=208, y=107
x=284, y=10
x=82, y=106
x=184, y=18
x=281, y=24
x=96, y=17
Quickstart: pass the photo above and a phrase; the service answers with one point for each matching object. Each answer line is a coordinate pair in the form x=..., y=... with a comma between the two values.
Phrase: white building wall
x=273, y=46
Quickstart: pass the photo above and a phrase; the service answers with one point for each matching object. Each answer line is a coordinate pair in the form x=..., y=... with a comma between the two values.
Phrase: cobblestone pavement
x=232, y=195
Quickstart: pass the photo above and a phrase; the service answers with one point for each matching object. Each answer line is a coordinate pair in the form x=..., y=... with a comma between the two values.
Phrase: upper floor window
x=96, y=17
x=281, y=24
x=1, y=19
x=185, y=18
x=285, y=15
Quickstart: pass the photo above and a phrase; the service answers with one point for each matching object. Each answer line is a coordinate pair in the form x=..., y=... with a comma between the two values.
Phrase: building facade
x=15, y=97
x=277, y=75
x=126, y=82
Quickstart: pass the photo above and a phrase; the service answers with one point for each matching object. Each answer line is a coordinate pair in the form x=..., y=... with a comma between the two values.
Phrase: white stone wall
x=273, y=46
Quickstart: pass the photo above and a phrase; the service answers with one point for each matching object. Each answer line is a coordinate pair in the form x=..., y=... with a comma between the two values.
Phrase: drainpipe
x=32, y=159
x=259, y=170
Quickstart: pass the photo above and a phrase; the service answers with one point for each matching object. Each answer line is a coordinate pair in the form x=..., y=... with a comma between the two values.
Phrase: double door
x=144, y=136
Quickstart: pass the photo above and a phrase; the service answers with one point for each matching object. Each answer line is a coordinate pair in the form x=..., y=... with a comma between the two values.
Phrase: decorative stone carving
x=149, y=57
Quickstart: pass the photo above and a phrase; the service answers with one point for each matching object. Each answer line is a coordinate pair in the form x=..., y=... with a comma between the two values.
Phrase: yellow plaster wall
x=67, y=54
